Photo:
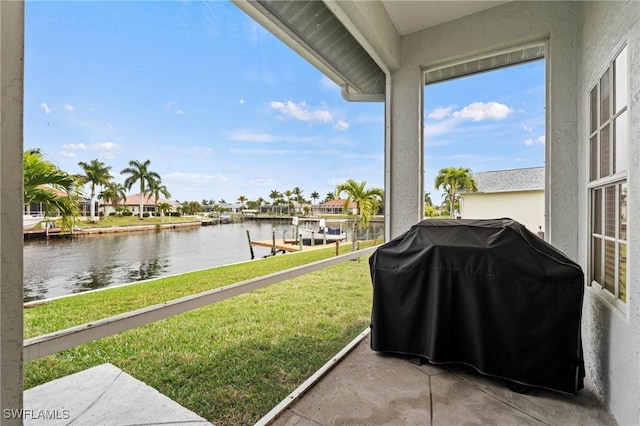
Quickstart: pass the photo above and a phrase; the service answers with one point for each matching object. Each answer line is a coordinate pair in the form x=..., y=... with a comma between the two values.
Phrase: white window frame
x=615, y=180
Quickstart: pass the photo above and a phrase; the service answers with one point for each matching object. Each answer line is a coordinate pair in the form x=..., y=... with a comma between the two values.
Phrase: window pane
x=609, y=265
x=620, y=142
x=593, y=161
x=605, y=152
x=610, y=211
x=605, y=96
x=596, y=260
x=623, y=211
x=621, y=80
x=593, y=108
x=622, y=273
x=597, y=211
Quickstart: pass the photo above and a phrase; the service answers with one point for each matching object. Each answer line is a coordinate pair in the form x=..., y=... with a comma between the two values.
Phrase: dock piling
x=250, y=245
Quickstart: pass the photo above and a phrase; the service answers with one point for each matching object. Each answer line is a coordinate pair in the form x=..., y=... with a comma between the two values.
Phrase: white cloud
x=179, y=112
x=46, y=108
x=249, y=151
x=301, y=111
x=341, y=125
x=241, y=135
x=262, y=181
x=106, y=146
x=539, y=140
x=241, y=101
x=68, y=107
x=169, y=104
x=479, y=111
x=527, y=128
x=75, y=146
x=441, y=127
x=105, y=150
x=244, y=136
x=440, y=113
x=194, y=179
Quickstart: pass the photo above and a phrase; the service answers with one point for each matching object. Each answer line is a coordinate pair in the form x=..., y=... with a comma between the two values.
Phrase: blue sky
x=222, y=108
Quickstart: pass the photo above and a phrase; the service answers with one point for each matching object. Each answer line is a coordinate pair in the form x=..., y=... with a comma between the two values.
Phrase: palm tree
x=274, y=195
x=288, y=194
x=329, y=197
x=96, y=173
x=452, y=179
x=427, y=199
x=41, y=180
x=367, y=202
x=164, y=209
x=297, y=191
x=195, y=207
x=139, y=172
x=113, y=193
x=315, y=197
x=157, y=188
x=260, y=202
x=242, y=199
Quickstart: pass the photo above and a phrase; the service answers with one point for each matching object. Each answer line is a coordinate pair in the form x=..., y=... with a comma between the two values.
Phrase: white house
x=386, y=51
x=132, y=203
x=517, y=194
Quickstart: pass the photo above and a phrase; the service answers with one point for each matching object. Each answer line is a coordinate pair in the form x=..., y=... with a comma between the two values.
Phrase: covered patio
x=386, y=51
x=369, y=388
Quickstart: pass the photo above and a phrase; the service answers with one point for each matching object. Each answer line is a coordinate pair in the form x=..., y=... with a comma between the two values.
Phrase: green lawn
x=133, y=220
x=230, y=362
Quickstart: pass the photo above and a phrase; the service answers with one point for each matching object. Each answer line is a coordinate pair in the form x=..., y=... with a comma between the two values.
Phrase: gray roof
x=528, y=179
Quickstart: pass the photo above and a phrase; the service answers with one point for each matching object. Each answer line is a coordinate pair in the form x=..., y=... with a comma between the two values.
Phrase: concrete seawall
x=136, y=228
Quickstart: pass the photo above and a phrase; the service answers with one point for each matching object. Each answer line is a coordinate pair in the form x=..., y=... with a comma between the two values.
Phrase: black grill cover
x=486, y=293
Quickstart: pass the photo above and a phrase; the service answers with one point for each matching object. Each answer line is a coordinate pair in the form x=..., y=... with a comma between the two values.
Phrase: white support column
x=404, y=151
x=11, y=104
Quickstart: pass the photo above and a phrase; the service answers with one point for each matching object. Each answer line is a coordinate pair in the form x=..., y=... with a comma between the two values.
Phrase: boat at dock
x=313, y=231
x=29, y=221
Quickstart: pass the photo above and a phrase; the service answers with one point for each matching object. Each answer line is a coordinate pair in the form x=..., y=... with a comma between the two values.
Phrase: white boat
x=309, y=229
x=29, y=221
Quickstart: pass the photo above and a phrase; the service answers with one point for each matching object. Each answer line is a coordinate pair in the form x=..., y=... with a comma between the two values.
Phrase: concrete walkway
x=102, y=395
x=368, y=388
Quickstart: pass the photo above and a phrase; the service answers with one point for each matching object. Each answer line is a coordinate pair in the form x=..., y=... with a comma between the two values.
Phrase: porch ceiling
x=354, y=43
x=411, y=16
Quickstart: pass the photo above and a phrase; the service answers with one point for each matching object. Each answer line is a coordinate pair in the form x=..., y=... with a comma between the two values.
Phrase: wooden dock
x=289, y=245
x=45, y=233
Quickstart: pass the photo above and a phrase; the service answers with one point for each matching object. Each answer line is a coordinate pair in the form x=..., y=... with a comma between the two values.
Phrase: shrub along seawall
x=230, y=362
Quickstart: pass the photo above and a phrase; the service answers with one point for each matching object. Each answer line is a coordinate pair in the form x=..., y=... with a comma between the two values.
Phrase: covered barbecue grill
x=486, y=293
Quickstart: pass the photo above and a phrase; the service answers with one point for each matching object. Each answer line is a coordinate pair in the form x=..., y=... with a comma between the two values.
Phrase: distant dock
x=290, y=246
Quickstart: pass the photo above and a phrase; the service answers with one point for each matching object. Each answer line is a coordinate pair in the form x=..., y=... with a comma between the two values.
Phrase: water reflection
x=93, y=279
x=58, y=267
x=148, y=270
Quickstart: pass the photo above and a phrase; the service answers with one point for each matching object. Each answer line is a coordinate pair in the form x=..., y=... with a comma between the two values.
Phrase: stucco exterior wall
x=508, y=25
x=527, y=207
x=611, y=338
x=11, y=239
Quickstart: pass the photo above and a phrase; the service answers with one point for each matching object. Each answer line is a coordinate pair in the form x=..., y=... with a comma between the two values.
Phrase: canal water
x=65, y=266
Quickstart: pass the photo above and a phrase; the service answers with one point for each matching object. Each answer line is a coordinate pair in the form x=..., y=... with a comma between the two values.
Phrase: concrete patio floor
x=368, y=388
x=102, y=395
